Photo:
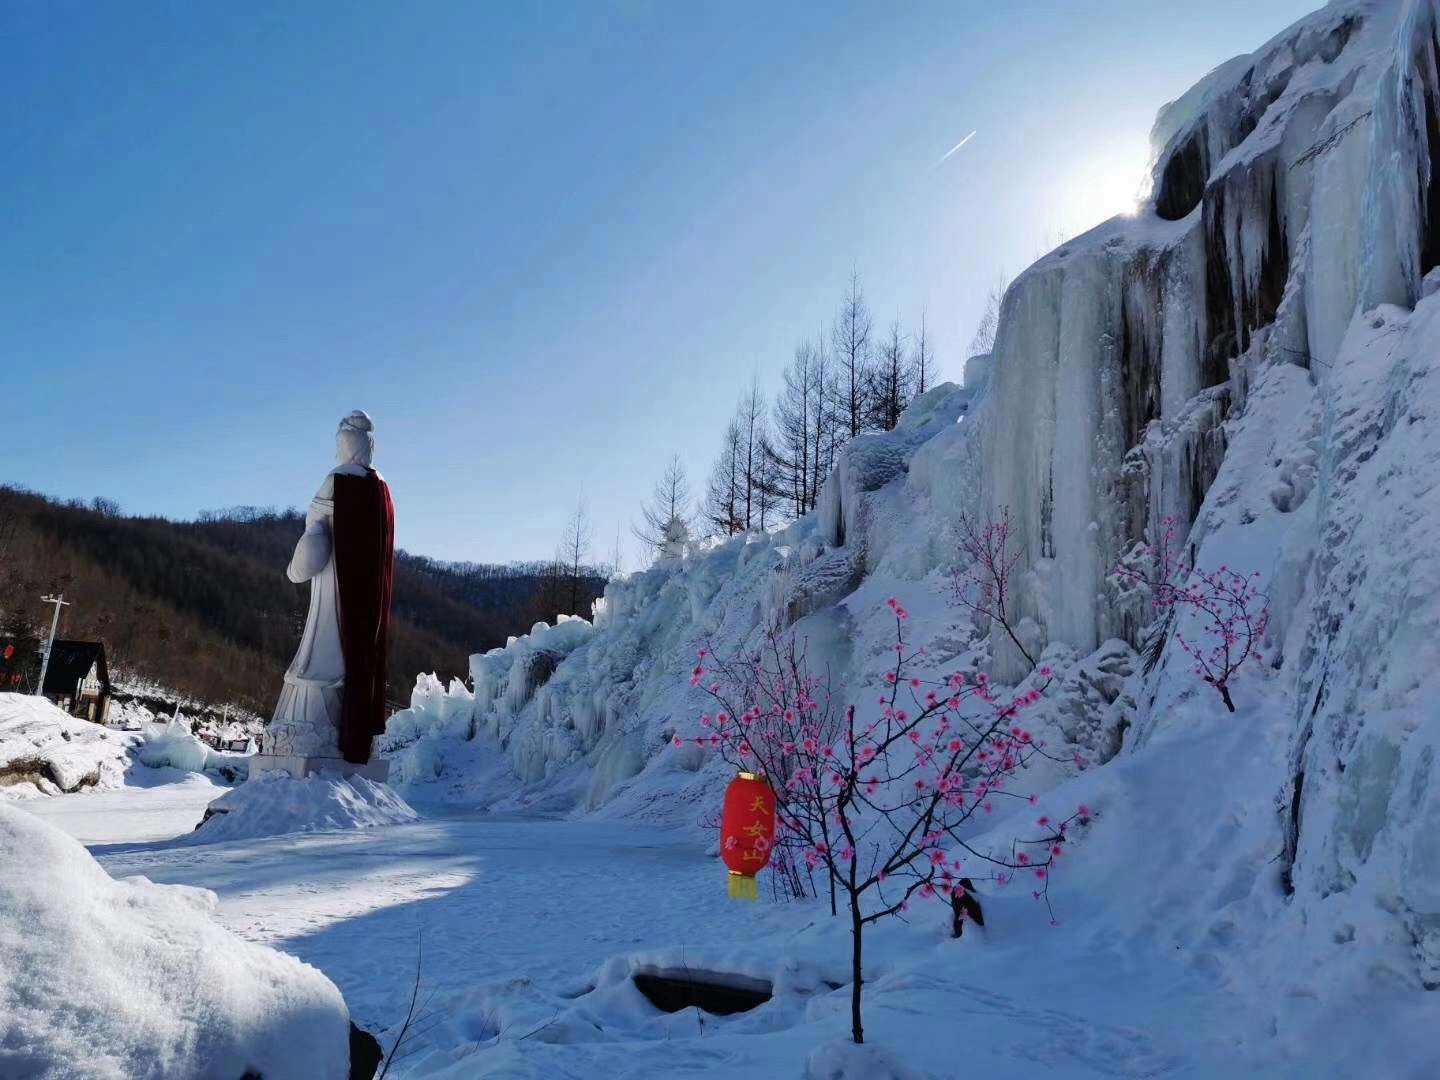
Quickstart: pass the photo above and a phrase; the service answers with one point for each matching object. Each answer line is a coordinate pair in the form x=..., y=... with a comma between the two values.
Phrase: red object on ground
x=747, y=832
x=365, y=574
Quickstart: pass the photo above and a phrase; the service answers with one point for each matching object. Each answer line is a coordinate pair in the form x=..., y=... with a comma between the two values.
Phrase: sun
x=1101, y=186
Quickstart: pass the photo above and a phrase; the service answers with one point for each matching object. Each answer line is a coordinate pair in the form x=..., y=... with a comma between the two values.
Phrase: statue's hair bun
x=358, y=420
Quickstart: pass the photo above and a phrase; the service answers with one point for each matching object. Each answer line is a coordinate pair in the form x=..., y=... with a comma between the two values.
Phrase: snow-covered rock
x=274, y=803
x=44, y=749
x=117, y=979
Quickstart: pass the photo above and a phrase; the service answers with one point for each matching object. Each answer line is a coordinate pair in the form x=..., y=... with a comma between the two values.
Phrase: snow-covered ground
x=527, y=931
x=155, y=805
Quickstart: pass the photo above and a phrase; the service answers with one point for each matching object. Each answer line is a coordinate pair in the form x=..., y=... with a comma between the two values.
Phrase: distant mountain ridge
x=204, y=605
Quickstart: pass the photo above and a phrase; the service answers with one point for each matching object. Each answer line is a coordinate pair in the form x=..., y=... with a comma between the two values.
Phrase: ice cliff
x=1254, y=353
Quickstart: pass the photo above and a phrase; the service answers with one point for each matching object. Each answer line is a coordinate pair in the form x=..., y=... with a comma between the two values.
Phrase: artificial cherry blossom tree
x=1230, y=612
x=982, y=584
x=883, y=802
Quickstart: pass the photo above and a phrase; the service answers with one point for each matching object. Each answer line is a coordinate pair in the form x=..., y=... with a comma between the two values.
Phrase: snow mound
x=105, y=978
x=47, y=751
x=273, y=804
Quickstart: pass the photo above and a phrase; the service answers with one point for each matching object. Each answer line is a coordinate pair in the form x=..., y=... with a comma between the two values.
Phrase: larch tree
x=826, y=424
x=770, y=491
x=750, y=416
x=790, y=444
x=889, y=380
x=850, y=339
x=922, y=360
x=724, y=507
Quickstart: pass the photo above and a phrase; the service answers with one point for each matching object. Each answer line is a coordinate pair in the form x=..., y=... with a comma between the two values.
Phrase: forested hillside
x=204, y=606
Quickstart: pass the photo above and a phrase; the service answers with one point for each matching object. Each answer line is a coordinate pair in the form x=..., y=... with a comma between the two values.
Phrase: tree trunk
x=857, y=1031
x=1225, y=696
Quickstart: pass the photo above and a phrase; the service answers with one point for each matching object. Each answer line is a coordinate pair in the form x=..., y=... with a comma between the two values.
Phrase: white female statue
x=333, y=701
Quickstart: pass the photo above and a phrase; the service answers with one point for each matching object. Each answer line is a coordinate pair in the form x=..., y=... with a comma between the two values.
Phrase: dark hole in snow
x=721, y=993
x=1335, y=41
x=1183, y=182
x=365, y=1053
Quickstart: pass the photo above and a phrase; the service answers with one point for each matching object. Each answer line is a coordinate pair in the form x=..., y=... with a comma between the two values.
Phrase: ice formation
x=1255, y=353
x=104, y=978
x=173, y=746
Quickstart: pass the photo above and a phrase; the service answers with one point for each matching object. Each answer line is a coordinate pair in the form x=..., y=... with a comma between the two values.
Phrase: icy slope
x=104, y=978
x=1254, y=354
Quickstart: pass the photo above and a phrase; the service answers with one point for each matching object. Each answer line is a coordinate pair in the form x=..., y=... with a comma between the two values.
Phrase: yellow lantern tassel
x=743, y=887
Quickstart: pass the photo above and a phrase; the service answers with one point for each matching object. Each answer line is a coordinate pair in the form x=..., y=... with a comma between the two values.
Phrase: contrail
x=954, y=148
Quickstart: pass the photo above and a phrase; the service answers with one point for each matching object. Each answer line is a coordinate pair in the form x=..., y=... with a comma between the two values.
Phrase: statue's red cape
x=365, y=575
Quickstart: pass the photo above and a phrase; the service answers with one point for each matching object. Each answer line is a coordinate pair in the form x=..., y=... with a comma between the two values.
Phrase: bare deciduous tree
x=984, y=340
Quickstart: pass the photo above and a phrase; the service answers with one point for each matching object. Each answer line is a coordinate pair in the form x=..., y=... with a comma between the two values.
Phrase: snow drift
x=1256, y=354
x=104, y=978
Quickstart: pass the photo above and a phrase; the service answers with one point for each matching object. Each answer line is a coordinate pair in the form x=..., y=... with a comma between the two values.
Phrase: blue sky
x=544, y=245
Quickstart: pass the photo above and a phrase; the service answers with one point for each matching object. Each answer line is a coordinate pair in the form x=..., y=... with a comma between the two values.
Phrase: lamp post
x=59, y=602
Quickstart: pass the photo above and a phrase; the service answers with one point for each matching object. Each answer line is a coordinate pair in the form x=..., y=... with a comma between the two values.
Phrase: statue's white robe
x=307, y=716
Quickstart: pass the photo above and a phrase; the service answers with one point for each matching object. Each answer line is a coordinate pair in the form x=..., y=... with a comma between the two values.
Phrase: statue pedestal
x=300, y=766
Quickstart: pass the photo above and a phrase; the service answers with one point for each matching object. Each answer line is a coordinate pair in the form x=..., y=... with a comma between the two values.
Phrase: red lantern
x=9, y=651
x=747, y=832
